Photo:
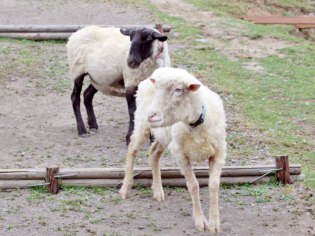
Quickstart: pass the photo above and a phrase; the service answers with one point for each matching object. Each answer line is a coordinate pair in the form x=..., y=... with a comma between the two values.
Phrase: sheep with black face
x=115, y=64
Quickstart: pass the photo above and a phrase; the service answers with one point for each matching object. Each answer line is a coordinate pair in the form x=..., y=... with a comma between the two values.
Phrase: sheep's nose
x=151, y=116
x=133, y=62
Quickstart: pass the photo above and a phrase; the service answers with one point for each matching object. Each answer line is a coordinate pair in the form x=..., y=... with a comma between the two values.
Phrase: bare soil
x=37, y=128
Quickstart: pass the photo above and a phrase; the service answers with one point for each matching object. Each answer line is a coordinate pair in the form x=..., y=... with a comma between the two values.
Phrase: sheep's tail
x=109, y=90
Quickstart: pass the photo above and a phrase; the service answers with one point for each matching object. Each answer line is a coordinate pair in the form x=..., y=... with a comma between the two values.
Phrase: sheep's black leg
x=75, y=98
x=131, y=101
x=88, y=102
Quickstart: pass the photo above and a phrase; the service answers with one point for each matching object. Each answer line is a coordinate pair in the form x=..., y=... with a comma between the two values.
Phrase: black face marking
x=141, y=44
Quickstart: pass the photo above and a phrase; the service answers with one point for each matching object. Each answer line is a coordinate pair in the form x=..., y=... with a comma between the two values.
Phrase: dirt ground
x=37, y=128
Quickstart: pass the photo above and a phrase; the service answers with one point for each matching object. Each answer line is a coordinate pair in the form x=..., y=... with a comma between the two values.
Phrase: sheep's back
x=93, y=48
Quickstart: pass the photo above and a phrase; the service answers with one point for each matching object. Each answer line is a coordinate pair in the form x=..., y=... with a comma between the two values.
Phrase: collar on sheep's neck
x=201, y=118
x=161, y=49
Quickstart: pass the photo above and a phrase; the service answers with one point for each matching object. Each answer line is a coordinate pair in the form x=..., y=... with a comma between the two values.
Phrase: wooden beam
x=62, y=28
x=305, y=26
x=300, y=20
x=13, y=184
x=37, y=36
x=144, y=172
x=171, y=182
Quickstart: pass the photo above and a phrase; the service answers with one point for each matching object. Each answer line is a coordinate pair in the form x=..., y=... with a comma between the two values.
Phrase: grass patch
x=79, y=190
x=240, y=8
x=263, y=193
x=33, y=60
x=143, y=190
x=38, y=194
x=237, y=9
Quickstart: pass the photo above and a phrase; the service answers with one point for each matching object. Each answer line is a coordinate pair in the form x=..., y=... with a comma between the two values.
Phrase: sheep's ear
x=159, y=37
x=152, y=80
x=125, y=31
x=193, y=87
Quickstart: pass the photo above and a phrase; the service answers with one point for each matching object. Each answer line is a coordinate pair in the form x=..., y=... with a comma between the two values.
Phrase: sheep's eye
x=178, y=90
x=149, y=38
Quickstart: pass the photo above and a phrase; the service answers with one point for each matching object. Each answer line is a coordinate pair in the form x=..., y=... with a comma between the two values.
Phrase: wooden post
x=159, y=27
x=51, y=172
x=283, y=175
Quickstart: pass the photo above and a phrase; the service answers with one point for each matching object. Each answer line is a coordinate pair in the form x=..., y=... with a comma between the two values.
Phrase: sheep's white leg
x=155, y=153
x=135, y=144
x=215, y=168
x=201, y=222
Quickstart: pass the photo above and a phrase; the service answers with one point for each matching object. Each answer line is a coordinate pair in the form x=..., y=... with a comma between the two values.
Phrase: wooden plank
x=305, y=26
x=144, y=172
x=37, y=36
x=172, y=182
x=300, y=20
x=112, y=169
x=62, y=28
x=12, y=184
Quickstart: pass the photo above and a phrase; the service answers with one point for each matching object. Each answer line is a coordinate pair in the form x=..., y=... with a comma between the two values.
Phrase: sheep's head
x=143, y=44
x=172, y=102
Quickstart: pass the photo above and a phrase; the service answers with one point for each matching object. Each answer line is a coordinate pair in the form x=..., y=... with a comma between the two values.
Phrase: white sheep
x=189, y=119
x=115, y=65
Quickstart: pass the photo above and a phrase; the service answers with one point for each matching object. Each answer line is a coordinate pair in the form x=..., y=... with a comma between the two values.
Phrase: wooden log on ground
x=56, y=32
x=289, y=20
x=51, y=172
x=13, y=184
x=171, y=182
x=62, y=28
x=305, y=26
x=283, y=175
x=37, y=36
x=144, y=172
x=23, y=174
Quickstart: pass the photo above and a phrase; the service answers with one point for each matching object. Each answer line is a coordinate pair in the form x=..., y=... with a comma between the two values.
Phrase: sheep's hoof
x=124, y=191
x=84, y=135
x=158, y=194
x=214, y=225
x=201, y=223
x=159, y=197
x=93, y=131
